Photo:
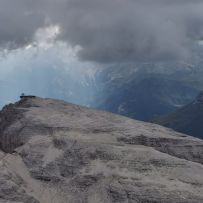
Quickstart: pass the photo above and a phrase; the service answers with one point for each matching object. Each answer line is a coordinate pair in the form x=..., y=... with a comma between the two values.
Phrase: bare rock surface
x=56, y=152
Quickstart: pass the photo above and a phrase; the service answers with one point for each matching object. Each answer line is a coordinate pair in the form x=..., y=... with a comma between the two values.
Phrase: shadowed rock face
x=187, y=119
x=55, y=152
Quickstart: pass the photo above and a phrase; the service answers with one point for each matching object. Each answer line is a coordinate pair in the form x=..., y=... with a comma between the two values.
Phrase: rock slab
x=56, y=152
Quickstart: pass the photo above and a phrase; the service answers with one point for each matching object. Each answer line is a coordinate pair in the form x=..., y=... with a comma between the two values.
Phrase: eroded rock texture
x=55, y=152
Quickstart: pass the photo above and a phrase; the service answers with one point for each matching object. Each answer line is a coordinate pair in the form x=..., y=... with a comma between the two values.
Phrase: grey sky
x=108, y=31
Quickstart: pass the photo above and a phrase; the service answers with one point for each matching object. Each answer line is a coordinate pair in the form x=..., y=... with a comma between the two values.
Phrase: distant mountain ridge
x=149, y=96
x=188, y=119
x=146, y=90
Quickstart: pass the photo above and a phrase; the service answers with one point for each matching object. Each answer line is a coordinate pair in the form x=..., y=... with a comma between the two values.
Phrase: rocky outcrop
x=56, y=152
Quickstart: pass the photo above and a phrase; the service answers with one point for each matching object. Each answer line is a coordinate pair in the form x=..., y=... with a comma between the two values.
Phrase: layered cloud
x=106, y=31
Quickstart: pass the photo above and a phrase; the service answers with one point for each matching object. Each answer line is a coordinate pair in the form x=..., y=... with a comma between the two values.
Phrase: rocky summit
x=56, y=152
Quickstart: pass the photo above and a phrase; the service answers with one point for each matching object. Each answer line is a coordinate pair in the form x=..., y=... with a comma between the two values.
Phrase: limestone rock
x=56, y=152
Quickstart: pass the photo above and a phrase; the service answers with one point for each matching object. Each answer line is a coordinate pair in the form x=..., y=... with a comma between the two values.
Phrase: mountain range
x=188, y=119
x=151, y=96
x=146, y=90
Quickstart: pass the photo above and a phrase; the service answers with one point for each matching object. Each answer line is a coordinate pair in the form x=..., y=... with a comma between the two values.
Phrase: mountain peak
x=54, y=151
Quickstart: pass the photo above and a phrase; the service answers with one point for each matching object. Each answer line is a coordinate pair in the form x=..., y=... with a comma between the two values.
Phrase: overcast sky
x=105, y=31
x=41, y=40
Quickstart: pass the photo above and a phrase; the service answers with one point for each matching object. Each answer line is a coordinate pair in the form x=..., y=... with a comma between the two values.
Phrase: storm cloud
x=107, y=31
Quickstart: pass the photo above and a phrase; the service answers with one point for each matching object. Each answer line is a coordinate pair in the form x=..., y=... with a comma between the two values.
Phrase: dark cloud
x=19, y=20
x=109, y=30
